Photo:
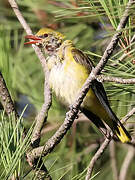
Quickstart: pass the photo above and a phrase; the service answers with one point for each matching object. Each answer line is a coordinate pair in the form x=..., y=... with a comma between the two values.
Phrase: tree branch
x=128, y=115
x=42, y=116
x=96, y=157
x=47, y=92
x=113, y=160
x=119, y=80
x=127, y=161
x=98, y=68
x=104, y=146
x=6, y=99
x=110, y=48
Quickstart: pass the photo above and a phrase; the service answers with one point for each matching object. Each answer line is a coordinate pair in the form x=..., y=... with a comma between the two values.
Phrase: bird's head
x=48, y=39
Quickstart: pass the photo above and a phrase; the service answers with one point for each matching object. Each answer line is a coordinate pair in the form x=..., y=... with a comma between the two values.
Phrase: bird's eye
x=44, y=36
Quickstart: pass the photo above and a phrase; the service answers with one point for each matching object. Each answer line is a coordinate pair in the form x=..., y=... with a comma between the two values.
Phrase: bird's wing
x=82, y=59
x=96, y=86
x=100, y=93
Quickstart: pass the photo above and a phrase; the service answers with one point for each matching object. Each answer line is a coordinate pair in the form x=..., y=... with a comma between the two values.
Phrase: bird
x=69, y=68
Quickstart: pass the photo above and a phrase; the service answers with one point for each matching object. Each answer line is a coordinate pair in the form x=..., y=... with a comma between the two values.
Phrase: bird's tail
x=122, y=133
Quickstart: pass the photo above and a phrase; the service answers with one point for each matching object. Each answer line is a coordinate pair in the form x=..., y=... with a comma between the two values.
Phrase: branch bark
x=113, y=160
x=104, y=146
x=42, y=116
x=96, y=157
x=119, y=80
x=6, y=99
x=128, y=115
x=127, y=161
x=47, y=92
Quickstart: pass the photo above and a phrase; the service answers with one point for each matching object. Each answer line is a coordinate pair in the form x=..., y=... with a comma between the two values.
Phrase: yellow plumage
x=69, y=68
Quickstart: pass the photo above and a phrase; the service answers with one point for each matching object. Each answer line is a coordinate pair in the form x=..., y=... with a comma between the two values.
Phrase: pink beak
x=32, y=37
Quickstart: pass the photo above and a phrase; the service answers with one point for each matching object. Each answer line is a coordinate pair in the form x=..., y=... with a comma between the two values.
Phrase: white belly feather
x=63, y=84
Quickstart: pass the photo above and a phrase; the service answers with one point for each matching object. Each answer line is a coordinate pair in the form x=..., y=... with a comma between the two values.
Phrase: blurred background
x=90, y=24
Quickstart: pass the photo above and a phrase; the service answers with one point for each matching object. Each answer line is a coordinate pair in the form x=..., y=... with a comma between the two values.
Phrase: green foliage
x=12, y=146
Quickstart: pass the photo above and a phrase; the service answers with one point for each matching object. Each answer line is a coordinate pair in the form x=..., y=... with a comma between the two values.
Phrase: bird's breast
x=66, y=80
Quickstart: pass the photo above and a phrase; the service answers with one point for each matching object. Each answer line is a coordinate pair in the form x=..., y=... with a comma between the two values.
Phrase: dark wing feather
x=99, y=91
x=96, y=120
x=82, y=59
x=97, y=87
x=101, y=95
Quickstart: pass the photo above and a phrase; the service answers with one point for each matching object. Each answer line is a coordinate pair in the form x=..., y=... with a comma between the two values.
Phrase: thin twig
x=6, y=99
x=124, y=119
x=42, y=115
x=127, y=161
x=133, y=39
x=110, y=48
x=124, y=55
x=47, y=95
x=100, y=65
x=113, y=160
x=128, y=115
x=96, y=157
x=119, y=80
x=104, y=145
x=8, y=104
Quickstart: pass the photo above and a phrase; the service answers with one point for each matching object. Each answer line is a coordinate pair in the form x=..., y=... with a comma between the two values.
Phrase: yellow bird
x=69, y=68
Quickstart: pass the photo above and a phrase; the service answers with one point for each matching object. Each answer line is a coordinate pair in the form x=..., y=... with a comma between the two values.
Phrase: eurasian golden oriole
x=69, y=68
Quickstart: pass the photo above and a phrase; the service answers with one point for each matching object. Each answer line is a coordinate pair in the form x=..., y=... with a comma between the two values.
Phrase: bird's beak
x=34, y=38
